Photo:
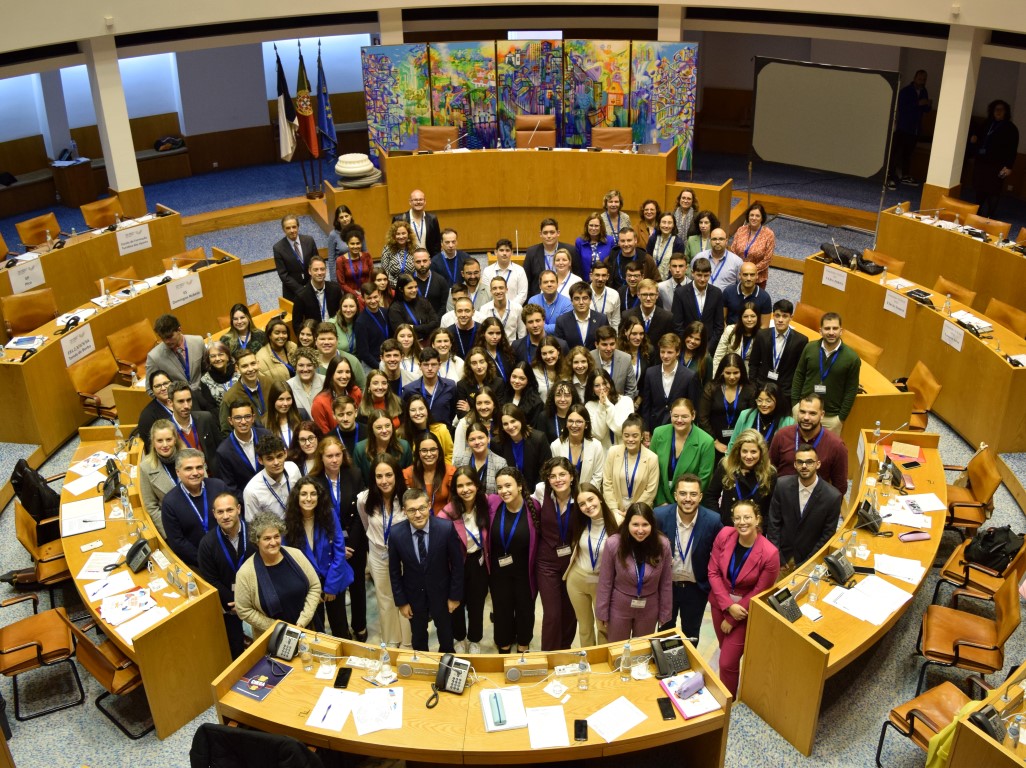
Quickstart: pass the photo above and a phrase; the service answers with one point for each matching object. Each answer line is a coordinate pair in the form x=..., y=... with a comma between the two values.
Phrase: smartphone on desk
x=580, y=730
x=666, y=708
x=343, y=676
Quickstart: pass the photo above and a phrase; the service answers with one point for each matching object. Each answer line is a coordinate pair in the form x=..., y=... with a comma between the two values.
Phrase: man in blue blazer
x=237, y=460
x=425, y=566
x=691, y=529
x=568, y=326
x=439, y=392
x=655, y=402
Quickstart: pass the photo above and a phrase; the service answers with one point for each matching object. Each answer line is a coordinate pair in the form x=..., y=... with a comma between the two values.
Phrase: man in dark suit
x=424, y=224
x=236, y=455
x=655, y=400
x=187, y=509
x=804, y=510
x=372, y=327
x=425, y=566
x=691, y=529
x=628, y=252
x=439, y=392
x=698, y=300
x=776, y=351
x=291, y=255
x=568, y=326
x=538, y=257
x=526, y=347
x=449, y=261
x=222, y=551
x=318, y=299
x=615, y=362
x=179, y=356
x=430, y=285
x=197, y=429
x=657, y=321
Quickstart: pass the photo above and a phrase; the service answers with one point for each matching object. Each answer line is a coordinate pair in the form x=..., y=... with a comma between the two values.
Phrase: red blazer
x=759, y=572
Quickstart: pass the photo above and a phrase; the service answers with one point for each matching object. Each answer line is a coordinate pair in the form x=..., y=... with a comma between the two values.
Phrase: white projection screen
x=824, y=117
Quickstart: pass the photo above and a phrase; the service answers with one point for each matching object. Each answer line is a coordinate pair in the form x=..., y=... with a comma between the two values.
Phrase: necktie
x=181, y=359
x=299, y=253
x=421, y=547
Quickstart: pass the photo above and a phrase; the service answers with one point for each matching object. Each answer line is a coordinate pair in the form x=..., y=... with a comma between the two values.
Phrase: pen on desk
x=326, y=711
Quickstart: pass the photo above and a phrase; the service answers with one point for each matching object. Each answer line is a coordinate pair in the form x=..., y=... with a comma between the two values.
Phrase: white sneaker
x=460, y=646
x=475, y=648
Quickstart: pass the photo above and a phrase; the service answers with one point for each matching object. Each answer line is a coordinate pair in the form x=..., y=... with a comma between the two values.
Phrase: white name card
x=896, y=303
x=77, y=344
x=26, y=276
x=184, y=291
x=952, y=335
x=132, y=239
x=835, y=278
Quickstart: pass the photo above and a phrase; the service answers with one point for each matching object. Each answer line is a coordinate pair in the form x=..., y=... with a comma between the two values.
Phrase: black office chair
x=220, y=746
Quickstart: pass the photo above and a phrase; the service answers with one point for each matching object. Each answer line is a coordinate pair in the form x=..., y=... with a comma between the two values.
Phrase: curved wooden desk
x=453, y=732
x=784, y=670
x=979, y=385
x=971, y=747
x=47, y=410
x=177, y=656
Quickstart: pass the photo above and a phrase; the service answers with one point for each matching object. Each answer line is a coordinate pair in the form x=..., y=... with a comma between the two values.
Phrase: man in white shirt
x=725, y=265
x=678, y=276
x=508, y=311
x=516, y=278
x=457, y=292
x=269, y=489
x=603, y=298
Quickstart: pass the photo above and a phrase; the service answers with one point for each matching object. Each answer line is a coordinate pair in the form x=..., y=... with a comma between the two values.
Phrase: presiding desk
x=454, y=733
x=982, y=393
x=971, y=747
x=784, y=670
x=72, y=270
x=180, y=654
x=46, y=409
x=930, y=251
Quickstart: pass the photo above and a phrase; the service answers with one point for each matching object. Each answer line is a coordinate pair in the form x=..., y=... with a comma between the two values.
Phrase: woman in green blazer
x=681, y=447
x=769, y=415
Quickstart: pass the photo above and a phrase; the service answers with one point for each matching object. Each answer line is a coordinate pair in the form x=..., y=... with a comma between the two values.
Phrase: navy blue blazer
x=707, y=525
x=569, y=331
x=183, y=527
x=526, y=350
x=655, y=405
x=232, y=466
x=370, y=332
x=426, y=586
x=442, y=404
x=659, y=325
x=685, y=311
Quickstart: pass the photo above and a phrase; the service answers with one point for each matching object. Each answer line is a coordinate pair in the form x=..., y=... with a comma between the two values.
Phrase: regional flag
x=325, y=120
x=305, y=109
x=287, y=123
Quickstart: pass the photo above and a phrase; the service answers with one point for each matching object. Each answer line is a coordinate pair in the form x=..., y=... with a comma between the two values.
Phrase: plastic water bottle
x=625, y=663
x=209, y=340
x=384, y=662
x=814, y=586
x=947, y=304
x=135, y=378
x=1015, y=730
x=49, y=241
x=304, y=653
x=958, y=223
x=883, y=277
x=898, y=210
x=634, y=148
x=583, y=682
x=73, y=232
x=191, y=587
x=851, y=545
x=1001, y=239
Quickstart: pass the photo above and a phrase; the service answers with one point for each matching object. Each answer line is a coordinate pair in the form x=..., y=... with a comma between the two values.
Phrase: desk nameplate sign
x=184, y=291
x=896, y=303
x=26, y=276
x=132, y=239
x=77, y=344
x=952, y=335
x=835, y=278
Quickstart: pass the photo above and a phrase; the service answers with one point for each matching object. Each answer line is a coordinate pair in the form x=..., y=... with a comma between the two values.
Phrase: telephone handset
x=452, y=674
x=284, y=641
x=784, y=603
x=989, y=721
x=841, y=569
x=868, y=517
x=670, y=656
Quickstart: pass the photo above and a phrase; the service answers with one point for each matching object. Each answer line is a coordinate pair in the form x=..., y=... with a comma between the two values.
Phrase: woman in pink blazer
x=743, y=563
x=635, y=592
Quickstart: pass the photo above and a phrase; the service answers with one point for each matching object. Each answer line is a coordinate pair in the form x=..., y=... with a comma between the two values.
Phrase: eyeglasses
x=804, y=462
x=428, y=451
x=165, y=385
x=745, y=519
x=242, y=418
x=308, y=439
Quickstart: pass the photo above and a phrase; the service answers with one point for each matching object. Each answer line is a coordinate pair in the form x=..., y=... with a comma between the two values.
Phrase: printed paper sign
x=132, y=239
x=184, y=291
x=835, y=278
x=77, y=344
x=27, y=276
x=952, y=335
x=896, y=303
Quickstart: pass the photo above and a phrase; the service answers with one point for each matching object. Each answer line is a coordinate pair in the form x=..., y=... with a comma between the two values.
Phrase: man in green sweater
x=829, y=369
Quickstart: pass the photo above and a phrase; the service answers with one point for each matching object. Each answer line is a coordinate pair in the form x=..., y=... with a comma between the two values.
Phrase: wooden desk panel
x=976, y=375
x=771, y=639
x=179, y=655
x=85, y=258
x=971, y=747
x=48, y=411
x=453, y=733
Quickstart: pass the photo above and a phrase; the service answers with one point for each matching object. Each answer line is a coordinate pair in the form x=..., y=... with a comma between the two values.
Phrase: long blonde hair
x=732, y=465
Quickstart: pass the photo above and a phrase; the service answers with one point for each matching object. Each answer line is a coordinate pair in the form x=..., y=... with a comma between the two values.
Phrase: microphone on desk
x=448, y=144
x=880, y=439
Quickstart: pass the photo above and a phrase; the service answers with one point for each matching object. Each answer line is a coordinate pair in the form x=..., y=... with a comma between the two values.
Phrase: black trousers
x=236, y=637
x=689, y=601
x=512, y=605
x=358, y=589
x=336, y=614
x=468, y=619
x=443, y=627
x=902, y=147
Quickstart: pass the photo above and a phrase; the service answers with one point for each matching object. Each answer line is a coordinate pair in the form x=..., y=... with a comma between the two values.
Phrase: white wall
x=997, y=80
x=21, y=97
x=340, y=54
x=222, y=89
x=150, y=84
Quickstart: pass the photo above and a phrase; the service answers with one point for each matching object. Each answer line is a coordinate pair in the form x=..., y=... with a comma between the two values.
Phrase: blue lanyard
x=387, y=530
x=324, y=304
x=691, y=539
x=671, y=464
x=204, y=518
x=185, y=363
x=754, y=238
x=481, y=473
x=741, y=496
x=639, y=568
x=497, y=359
x=734, y=570
x=508, y=539
x=814, y=445
x=472, y=537
x=563, y=519
x=174, y=477
x=719, y=269
x=591, y=552
x=243, y=342
x=357, y=275
x=518, y=455
x=549, y=309
x=242, y=453
x=258, y=404
x=746, y=346
x=459, y=338
x=406, y=255
x=662, y=255
x=822, y=358
x=335, y=492
x=423, y=393
x=427, y=288
x=409, y=313
x=778, y=355
x=584, y=334
x=195, y=435
x=502, y=319
x=570, y=456
x=383, y=325
x=630, y=480
x=595, y=306
x=631, y=304
x=289, y=368
x=277, y=498
x=769, y=432
x=451, y=272
x=727, y=406
x=609, y=221
x=223, y=541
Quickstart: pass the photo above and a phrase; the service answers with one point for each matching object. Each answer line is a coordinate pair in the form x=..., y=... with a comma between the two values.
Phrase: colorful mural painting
x=530, y=82
x=663, y=96
x=463, y=90
x=395, y=86
x=596, y=83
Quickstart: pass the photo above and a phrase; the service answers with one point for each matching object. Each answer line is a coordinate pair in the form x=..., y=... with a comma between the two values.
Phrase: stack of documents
x=903, y=568
x=82, y=516
x=872, y=599
x=117, y=609
x=22, y=343
x=980, y=326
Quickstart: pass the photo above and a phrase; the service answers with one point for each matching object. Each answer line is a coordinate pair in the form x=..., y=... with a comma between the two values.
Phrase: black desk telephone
x=452, y=674
x=670, y=656
x=989, y=721
x=841, y=569
x=783, y=602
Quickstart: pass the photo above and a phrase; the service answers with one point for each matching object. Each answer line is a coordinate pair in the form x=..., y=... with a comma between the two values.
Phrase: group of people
x=629, y=433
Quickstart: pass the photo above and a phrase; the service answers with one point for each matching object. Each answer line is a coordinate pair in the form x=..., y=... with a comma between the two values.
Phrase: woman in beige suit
x=631, y=472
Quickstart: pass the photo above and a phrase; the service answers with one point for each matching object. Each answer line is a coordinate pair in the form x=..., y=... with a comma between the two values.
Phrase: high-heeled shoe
x=360, y=635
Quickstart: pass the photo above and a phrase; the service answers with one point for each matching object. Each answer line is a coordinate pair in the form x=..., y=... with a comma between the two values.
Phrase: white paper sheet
x=898, y=514
x=872, y=599
x=927, y=502
x=112, y=585
x=132, y=629
x=93, y=567
x=82, y=516
x=903, y=568
x=616, y=718
x=378, y=709
x=513, y=707
x=332, y=709
x=91, y=463
x=547, y=727
x=80, y=485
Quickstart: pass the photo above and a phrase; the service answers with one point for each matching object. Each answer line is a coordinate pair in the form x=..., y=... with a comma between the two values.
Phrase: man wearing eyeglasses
x=804, y=511
x=657, y=321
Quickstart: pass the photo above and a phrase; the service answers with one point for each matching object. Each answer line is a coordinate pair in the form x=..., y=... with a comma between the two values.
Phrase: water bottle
x=947, y=304
x=1015, y=730
x=127, y=506
x=876, y=431
x=854, y=263
x=634, y=148
x=851, y=545
x=304, y=653
x=135, y=378
x=1001, y=239
x=384, y=662
x=74, y=150
x=814, y=586
x=117, y=219
x=49, y=241
x=209, y=340
x=883, y=277
x=625, y=663
x=958, y=223
x=191, y=587
x=582, y=674
x=898, y=210
x=74, y=231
